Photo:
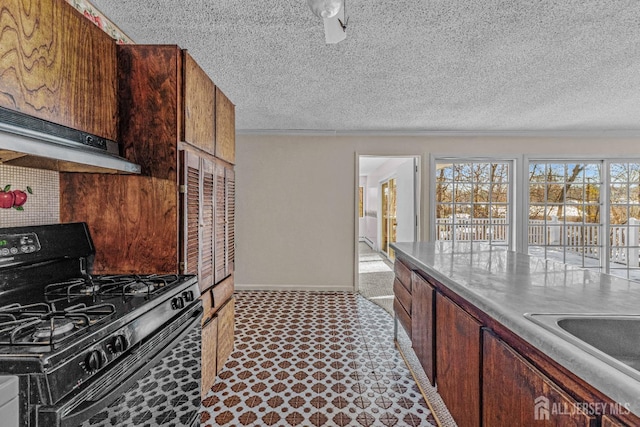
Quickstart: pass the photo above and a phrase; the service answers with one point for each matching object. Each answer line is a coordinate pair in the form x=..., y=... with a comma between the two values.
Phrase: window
x=472, y=201
x=586, y=214
x=564, y=212
x=624, y=219
x=580, y=212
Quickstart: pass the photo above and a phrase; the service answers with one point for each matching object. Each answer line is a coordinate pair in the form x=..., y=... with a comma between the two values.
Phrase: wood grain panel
x=458, y=361
x=402, y=295
x=403, y=317
x=207, y=306
x=512, y=390
x=423, y=324
x=199, y=106
x=222, y=292
x=190, y=212
x=403, y=273
x=608, y=421
x=230, y=183
x=133, y=220
x=148, y=109
x=220, y=225
x=58, y=66
x=226, y=316
x=225, y=128
x=209, y=354
x=207, y=208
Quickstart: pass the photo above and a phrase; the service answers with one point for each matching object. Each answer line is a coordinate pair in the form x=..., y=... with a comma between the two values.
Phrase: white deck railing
x=580, y=238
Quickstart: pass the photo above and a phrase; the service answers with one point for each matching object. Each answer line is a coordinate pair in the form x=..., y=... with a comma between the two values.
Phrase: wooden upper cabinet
x=190, y=196
x=225, y=128
x=199, y=106
x=223, y=263
x=58, y=66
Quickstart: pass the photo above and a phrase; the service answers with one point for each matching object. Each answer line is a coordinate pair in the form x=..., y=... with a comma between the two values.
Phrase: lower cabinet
x=423, y=324
x=458, y=353
x=608, y=421
x=225, y=333
x=217, y=331
x=209, y=354
x=515, y=393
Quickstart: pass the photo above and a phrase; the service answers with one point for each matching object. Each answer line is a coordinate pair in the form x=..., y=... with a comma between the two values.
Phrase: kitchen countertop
x=505, y=285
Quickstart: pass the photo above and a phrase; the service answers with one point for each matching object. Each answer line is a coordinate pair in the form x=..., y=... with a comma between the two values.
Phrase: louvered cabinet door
x=220, y=245
x=230, y=183
x=190, y=212
x=208, y=176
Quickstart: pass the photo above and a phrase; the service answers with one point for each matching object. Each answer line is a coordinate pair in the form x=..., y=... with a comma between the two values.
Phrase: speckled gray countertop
x=506, y=285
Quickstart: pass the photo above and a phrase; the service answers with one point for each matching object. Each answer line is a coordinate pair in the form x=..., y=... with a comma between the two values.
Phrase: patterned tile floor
x=313, y=359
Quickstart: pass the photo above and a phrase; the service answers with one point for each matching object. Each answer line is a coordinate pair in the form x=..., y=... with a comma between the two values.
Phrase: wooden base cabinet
x=217, y=343
x=209, y=354
x=423, y=324
x=402, y=296
x=458, y=361
x=515, y=393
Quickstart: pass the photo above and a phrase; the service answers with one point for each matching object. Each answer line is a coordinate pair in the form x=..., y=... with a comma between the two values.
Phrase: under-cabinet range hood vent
x=31, y=142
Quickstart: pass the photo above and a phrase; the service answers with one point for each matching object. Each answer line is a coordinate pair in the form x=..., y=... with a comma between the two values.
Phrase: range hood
x=32, y=142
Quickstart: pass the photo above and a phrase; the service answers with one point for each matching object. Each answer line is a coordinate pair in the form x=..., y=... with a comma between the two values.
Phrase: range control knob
x=118, y=344
x=93, y=361
x=188, y=296
x=177, y=303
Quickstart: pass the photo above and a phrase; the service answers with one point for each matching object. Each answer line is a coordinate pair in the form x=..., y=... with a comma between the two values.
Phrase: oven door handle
x=85, y=411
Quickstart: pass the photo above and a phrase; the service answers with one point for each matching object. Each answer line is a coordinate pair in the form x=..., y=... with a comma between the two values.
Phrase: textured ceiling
x=410, y=65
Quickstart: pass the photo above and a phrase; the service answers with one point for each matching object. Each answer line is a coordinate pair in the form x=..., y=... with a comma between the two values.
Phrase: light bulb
x=325, y=8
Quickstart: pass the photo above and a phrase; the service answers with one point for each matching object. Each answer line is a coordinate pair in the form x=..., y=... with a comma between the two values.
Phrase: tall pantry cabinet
x=177, y=216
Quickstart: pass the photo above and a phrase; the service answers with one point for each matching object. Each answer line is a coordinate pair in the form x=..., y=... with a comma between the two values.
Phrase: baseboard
x=308, y=288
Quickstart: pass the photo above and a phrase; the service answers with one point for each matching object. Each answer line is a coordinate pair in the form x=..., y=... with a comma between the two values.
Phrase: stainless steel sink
x=614, y=339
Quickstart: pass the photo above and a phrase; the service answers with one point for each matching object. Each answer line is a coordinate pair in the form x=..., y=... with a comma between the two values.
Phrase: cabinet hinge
x=182, y=188
x=182, y=267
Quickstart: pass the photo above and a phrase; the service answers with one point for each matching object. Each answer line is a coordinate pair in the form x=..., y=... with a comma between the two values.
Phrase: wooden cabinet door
x=608, y=421
x=199, y=106
x=58, y=66
x=225, y=128
x=423, y=324
x=209, y=354
x=515, y=393
x=207, y=210
x=190, y=196
x=224, y=221
x=230, y=198
x=226, y=330
x=458, y=361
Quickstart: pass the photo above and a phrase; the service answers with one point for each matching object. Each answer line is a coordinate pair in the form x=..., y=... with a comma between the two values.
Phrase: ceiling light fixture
x=325, y=8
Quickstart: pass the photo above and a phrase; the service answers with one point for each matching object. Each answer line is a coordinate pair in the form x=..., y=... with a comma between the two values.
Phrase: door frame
x=417, y=203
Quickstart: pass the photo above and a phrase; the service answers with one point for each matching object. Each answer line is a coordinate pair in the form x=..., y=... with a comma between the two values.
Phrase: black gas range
x=79, y=342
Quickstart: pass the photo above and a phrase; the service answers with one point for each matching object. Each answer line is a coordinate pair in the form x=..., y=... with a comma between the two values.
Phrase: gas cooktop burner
x=55, y=329
x=41, y=324
x=139, y=288
x=110, y=285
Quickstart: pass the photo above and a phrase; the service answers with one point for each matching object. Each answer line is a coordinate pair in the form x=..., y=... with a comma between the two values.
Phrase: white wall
x=296, y=197
x=405, y=202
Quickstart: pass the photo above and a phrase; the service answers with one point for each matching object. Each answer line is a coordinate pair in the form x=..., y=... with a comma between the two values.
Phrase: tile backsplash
x=42, y=205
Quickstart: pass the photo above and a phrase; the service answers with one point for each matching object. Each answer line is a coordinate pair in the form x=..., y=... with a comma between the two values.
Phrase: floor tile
x=313, y=359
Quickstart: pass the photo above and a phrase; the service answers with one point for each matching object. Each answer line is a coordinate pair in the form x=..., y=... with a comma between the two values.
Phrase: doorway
x=387, y=211
x=389, y=220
